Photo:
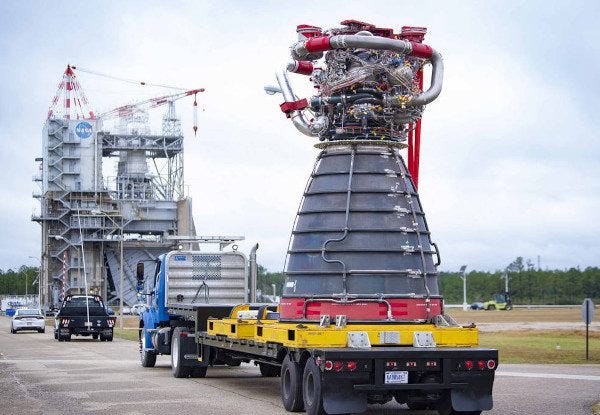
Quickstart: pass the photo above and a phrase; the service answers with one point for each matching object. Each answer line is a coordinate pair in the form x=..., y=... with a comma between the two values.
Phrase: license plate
x=397, y=376
x=87, y=323
x=29, y=323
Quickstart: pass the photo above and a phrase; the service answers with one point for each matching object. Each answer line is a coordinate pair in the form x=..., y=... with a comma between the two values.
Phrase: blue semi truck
x=185, y=289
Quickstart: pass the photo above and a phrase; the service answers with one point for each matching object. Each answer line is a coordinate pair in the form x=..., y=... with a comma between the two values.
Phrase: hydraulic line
x=345, y=229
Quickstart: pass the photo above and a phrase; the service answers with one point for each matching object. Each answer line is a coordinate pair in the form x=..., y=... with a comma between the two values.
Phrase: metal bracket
x=423, y=339
x=340, y=321
x=358, y=339
x=325, y=321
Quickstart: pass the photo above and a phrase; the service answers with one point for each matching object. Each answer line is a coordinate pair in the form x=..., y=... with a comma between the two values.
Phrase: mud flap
x=471, y=400
x=188, y=351
x=339, y=397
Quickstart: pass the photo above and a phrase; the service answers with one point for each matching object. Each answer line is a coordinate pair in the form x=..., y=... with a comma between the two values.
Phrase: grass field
x=542, y=346
x=518, y=315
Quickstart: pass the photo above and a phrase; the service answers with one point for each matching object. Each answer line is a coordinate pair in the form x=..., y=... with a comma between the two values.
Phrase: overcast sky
x=510, y=153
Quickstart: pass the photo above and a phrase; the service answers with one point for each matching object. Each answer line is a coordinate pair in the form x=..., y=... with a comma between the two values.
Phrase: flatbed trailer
x=342, y=369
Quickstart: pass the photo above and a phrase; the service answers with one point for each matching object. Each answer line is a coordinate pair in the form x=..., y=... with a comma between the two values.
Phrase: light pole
x=101, y=212
x=39, y=280
x=463, y=276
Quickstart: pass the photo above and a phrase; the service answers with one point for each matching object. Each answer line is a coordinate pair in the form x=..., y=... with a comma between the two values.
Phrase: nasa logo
x=83, y=130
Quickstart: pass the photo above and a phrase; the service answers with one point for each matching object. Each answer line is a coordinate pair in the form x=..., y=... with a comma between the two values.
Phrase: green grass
x=541, y=346
x=127, y=334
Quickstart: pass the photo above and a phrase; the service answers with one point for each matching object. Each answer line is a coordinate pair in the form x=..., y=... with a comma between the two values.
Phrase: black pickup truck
x=82, y=315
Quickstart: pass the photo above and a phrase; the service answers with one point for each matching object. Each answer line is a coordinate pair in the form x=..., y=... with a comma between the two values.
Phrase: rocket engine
x=360, y=249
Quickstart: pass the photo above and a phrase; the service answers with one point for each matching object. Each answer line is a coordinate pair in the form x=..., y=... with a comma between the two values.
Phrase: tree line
x=527, y=284
x=20, y=282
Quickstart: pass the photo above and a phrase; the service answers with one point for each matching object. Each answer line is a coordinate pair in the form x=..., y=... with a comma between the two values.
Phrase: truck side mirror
x=139, y=273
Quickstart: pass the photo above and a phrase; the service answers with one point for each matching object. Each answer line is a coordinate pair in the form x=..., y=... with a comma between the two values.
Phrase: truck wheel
x=95, y=336
x=312, y=389
x=179, y=370
x=269, y=371
x=508, y=307
x=291, y=385
x=147, y=357
x=491, y=307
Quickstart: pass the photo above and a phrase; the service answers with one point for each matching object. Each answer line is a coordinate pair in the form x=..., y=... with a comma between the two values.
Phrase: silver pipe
x=297, y=117
x=253, y=274
x=396, y=45
x=369, y=42
x=437, y=75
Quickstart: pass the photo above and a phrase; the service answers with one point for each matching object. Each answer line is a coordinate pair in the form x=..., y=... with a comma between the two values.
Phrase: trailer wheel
x=177, y=367
x=291, y=385
x=269, y=371
x=312, y=389
x=147, y=357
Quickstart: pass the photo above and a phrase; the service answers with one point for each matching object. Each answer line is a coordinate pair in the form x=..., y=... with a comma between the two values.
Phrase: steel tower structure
x=113, y=221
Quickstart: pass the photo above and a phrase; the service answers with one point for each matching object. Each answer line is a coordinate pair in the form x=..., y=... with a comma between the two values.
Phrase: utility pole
x=463, y=275
x=121, y=282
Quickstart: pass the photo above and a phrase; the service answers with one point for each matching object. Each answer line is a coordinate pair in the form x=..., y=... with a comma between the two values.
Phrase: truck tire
x=491, y=307
x=508, y=307
x=95, y=336
x=147, y=357
x=269, y=371
x=291, y=385
x=177, y=366
x=312, y=391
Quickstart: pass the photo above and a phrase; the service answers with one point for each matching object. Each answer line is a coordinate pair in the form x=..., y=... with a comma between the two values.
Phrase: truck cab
x=182, y=290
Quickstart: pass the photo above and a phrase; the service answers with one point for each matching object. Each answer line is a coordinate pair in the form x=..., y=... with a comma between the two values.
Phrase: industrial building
x=108, y=199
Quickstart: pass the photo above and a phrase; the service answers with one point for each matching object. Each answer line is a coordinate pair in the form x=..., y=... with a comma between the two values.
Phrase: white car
x=138, y=309
x=28, y=319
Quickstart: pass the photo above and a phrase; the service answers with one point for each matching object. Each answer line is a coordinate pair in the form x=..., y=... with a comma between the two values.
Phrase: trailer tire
x=147, y=357
x=269, y=371
x=312, y=390
x=291, y=385
x=177, y=367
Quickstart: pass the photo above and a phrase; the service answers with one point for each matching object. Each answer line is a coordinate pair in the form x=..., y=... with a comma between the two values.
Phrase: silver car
x=28, y=319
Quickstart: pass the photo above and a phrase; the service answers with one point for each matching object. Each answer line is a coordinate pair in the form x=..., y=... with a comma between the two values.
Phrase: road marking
x=549, y=376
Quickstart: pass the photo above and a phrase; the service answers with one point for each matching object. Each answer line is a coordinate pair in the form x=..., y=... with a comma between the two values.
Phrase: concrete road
x=39, y=375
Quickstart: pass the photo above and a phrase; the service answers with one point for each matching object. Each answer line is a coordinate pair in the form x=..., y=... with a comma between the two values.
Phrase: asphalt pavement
x=39, y=375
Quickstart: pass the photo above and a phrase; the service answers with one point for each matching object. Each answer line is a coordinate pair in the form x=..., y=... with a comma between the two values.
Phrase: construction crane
x=75, y=103
x=129, y=109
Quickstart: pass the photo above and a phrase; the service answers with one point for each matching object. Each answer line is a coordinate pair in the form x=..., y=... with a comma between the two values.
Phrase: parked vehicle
x=499, y=302
x=138, y=309
x=28, y=319
x=82, y=315
x=477, y=306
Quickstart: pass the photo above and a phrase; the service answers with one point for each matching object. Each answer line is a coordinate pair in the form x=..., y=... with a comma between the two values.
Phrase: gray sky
x=509, y=163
